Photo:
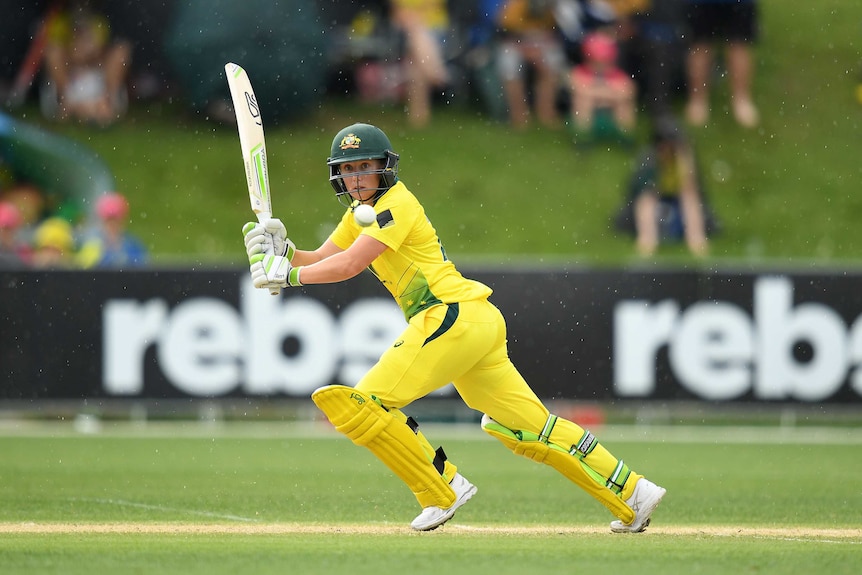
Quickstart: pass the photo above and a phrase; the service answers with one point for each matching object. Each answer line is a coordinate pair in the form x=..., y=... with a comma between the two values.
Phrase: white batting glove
x=269, y=237
x=273, y=271
x=281, y=244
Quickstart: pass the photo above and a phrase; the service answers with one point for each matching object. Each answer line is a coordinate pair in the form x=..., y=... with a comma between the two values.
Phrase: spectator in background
x=528, y=38
x=54, y=245
x=109, y=245
x=734, y=25
x=425, y=25
x=14, y=253
x=651, y=34
x=85, y=66
x=603, y=96
x=666, y=197
x=28, y=200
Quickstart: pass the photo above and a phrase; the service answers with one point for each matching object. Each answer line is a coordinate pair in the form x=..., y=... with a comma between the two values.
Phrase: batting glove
x=273, y=271
x=269, y=237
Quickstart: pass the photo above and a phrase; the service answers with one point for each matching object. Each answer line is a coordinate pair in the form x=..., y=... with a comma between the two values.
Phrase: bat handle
x=262, y=217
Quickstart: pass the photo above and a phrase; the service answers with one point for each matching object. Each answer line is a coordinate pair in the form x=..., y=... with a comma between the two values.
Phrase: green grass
x=787, y=192
x=461, y=553
x=244, y=498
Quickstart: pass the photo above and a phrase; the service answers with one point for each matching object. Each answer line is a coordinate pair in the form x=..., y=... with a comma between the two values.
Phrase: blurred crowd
x=30, y=239
x=599, y=69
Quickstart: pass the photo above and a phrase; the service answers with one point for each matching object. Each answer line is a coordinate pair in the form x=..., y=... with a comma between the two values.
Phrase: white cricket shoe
x=433, y=517
x=645, y=498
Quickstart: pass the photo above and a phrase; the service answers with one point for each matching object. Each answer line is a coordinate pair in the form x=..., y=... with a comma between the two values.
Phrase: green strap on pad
x=531, y=446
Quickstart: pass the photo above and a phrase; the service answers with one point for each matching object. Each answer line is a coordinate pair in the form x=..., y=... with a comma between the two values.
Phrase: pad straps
x=545, y=436
x=584, y=447
x=439, y=455
x=618, y=478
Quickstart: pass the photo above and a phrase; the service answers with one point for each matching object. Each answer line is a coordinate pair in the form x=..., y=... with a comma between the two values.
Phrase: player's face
x=362, y=178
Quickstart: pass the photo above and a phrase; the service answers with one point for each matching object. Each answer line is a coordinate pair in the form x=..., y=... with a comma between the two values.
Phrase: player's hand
x=269, y=237
x=281, y=244
x=269, y=272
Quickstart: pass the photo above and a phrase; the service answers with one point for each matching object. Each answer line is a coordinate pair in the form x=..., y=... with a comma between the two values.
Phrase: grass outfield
x=272, y=498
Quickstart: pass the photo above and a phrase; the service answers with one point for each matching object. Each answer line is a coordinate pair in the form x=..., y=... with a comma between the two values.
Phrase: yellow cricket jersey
x=432, y=13
x=61, y=28
x=415, y=268
x=517, y=16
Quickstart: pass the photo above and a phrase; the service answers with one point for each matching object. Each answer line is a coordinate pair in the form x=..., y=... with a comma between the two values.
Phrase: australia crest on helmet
x=350, y=142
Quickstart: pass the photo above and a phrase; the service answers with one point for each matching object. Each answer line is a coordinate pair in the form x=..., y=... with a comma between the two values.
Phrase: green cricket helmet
x=361, y=142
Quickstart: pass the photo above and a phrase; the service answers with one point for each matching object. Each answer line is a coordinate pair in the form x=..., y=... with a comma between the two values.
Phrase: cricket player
x=453, y=334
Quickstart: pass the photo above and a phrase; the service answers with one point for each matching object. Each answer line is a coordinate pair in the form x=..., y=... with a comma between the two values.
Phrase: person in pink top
x=14, y=252
x=109, y=244
x=603, y=95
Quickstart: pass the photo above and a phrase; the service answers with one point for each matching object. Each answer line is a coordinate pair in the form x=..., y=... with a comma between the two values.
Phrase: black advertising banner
x=777, y=336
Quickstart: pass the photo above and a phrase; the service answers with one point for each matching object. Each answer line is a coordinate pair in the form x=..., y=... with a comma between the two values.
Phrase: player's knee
x=521, y=443
x=356, y=415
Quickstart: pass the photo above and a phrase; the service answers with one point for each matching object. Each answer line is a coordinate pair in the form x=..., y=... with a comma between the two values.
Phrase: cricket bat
x=250, y=127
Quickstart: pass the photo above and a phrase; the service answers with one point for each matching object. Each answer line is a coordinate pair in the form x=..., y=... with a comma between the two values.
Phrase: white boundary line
x=164, y=508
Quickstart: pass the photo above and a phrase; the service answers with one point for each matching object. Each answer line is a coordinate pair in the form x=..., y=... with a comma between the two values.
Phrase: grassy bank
x=786, y=192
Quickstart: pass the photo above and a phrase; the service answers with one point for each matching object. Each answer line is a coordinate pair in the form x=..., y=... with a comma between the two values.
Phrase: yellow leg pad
x=449, y=468
x=561, y=460
x=393, y=442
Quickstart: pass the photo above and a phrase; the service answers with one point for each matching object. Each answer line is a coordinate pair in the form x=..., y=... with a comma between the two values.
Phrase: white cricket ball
x=364, y=215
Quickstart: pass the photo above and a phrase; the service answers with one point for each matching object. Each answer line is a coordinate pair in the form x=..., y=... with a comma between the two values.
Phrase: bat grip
x=262, y=217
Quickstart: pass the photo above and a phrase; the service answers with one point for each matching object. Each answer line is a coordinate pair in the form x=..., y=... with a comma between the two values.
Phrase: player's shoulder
x=400, y=190
x=398, y=205
x=398, y=196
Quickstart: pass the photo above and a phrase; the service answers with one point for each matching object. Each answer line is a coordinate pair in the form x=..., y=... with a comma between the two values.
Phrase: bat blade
x=250, y=127
x=251, y=138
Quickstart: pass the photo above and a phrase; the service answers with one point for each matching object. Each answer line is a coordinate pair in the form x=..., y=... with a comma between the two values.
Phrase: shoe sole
x=646, y=510
x=450, y=513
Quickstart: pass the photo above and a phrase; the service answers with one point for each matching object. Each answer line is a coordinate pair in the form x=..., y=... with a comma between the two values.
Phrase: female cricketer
x=453, y=334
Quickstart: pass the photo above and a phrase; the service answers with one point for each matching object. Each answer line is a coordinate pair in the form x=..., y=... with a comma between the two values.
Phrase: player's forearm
x=334, y=269
x=305, y=258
